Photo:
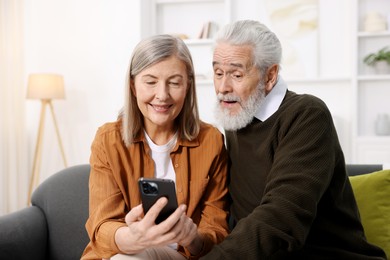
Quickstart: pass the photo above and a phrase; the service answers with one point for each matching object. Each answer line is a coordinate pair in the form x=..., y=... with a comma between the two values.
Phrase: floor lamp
x=44, y=87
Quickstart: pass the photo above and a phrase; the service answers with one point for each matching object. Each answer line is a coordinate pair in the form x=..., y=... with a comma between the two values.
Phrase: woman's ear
x=132, y=87
x=271, y=77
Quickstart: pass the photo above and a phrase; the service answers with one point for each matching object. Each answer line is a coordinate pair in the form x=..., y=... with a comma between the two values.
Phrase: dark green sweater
x=291, y=195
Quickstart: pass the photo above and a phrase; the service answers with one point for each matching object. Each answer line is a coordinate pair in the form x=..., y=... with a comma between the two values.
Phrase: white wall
x=89, y=42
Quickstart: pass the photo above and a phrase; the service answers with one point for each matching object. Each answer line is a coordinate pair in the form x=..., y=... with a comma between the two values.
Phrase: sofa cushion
x=372, y=193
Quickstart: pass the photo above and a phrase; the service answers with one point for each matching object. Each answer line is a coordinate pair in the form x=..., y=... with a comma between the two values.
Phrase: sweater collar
x=272, y=101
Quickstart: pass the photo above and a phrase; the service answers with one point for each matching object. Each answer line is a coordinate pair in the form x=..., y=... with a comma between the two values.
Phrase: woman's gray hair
x=147, y=53
x=267, y=49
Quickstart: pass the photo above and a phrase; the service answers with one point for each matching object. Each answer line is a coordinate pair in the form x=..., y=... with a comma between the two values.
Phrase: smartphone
x=153, y=189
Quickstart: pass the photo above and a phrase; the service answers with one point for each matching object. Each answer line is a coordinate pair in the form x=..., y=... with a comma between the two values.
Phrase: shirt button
x=179, y=189
x=176, y=165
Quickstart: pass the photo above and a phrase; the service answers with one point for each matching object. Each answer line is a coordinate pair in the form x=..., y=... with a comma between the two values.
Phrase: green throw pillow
x=372, y=193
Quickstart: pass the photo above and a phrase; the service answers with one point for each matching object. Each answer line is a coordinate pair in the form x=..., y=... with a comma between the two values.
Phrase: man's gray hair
x=267, y=49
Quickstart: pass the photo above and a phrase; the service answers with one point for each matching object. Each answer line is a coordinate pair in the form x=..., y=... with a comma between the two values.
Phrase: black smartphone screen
x=153, y=189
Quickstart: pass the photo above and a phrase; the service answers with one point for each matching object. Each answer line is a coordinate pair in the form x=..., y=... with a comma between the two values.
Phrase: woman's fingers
x=154, y=211
x=134, y=215
x=185, y=231
x=169, y=229
x=172, y=220
x=145, y=232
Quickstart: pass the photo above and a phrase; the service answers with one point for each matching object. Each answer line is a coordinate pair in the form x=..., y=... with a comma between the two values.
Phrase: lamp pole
x=38, y=151
x=58, y=133
x=45, y=87
x=38, y=148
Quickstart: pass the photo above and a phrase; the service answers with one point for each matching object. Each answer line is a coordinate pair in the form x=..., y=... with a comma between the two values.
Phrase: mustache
x=228, y=97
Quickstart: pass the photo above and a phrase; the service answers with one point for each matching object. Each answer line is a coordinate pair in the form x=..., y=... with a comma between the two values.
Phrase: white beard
x=243, y=117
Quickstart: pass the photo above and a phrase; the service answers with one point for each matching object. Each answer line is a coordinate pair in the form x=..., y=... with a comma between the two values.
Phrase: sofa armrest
x=23, y=234
x=358, y=169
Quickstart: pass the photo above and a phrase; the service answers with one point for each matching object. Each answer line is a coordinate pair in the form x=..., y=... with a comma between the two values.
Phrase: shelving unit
x=354, y=94
x=187, y=18
x=371, y=90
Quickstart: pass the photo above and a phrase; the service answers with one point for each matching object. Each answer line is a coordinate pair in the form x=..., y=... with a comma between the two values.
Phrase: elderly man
x=291, y=196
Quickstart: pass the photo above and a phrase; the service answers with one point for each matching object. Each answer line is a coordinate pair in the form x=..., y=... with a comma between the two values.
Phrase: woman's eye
x=174, y=84
x=150, y=82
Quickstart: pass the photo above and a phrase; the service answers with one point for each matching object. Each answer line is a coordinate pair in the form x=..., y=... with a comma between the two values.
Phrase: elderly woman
x=158, y=134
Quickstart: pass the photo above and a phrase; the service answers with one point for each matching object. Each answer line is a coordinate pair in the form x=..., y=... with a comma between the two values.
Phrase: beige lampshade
x=45, y=86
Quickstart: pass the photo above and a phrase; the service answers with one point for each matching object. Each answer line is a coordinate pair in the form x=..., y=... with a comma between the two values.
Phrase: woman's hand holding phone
x=142, y=232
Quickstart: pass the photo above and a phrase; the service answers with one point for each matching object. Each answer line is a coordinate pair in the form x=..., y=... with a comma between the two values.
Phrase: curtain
x=14, y=174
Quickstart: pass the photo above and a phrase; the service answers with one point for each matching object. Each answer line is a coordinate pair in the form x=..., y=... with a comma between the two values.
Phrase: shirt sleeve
x=214, y=205
x=106, y=204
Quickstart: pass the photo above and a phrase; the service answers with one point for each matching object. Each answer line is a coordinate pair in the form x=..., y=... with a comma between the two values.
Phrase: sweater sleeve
x=303, y=162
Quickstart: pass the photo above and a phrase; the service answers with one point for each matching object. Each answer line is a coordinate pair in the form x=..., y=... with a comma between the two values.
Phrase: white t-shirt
x=162, y=160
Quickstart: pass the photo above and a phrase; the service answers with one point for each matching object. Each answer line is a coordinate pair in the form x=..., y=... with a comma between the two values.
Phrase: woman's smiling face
x=160, y=91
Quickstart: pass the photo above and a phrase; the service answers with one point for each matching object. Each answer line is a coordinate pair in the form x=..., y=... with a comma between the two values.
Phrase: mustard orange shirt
x=201, y=183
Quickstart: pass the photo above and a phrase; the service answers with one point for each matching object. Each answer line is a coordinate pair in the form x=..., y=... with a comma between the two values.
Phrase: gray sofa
x=53, y=227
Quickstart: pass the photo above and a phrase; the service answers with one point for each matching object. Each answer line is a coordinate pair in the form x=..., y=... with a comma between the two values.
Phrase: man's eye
x=218, y=73
x=237, y=76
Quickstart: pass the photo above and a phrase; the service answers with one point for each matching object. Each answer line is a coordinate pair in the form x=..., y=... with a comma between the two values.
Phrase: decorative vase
x=374, y=22
x=382, y=67
x=382, y=125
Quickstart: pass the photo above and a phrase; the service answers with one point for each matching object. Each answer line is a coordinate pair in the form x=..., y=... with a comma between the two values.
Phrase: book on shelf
x=208, y=30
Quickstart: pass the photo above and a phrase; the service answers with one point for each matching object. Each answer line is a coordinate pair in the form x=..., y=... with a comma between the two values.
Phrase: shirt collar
x=180, y=142
x=272, y=101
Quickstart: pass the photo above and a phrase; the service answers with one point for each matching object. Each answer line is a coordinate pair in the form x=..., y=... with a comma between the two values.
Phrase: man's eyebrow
x=237, y=65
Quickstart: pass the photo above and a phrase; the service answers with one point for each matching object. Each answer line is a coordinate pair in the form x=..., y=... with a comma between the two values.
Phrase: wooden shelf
x=194, y=42
x=373, y=34
x=376, y=77
x=374, y=139
x=317, y=80
x=186, y=1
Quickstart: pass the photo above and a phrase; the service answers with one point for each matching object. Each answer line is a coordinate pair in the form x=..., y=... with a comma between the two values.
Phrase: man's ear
x=271, y=77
